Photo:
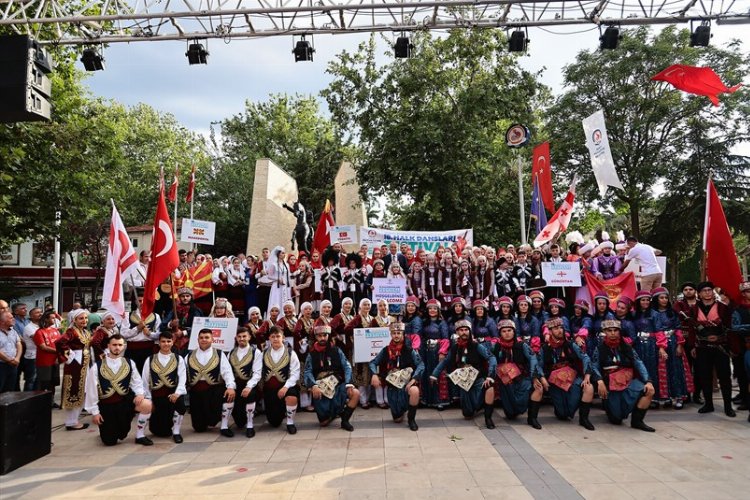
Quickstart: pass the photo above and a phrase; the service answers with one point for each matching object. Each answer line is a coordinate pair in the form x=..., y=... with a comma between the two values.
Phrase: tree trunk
x=635, y=220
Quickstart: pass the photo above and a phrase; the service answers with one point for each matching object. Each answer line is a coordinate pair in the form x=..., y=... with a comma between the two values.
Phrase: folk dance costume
x=414, y=280
x=606, y=265
x=467, y=353
x=484, y=328
x=247, y=366
x=520, y=276
x=140, y=341
x=394, y=357
x=209, y=374
x=353, y=279
x=628, y=330
x=580, y=322
x=435, y=342
x=686, y=310
x=281, y=368
x=528, y=328
x=304, y=337
x=555, y=308
x=448, y=279
x=184, y=314
x=412, y=323
x=602, y=312
x=73, y=349
x=484, y=283
x=281, y=279
x=741, y=325
x=464, y=282
x=288, y=325
x=236, y=292
x=503, y=280
x=649, y=343
x=678, y=382
x=430, y=280
x=338, y=329
x=101, y=336
x=324, y=361
x=165, y=375
x=381, y=321
x=330, y=280
x=622, y=379
x=361, y=375
x=254, y=325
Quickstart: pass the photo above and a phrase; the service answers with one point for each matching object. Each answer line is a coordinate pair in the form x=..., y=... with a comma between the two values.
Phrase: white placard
x=636, y=269
x=561, y=273
x=346, y=235
x=198, y=231
x=393, y=290
x=223, y=330
x=317, y=273
x=368, y=342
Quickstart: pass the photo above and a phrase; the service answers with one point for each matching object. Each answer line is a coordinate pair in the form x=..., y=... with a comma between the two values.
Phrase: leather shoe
x=177, y=438
x=291, y=429
x=249, y=432
x=227, y=433
x=145, y=441
x=71, y=428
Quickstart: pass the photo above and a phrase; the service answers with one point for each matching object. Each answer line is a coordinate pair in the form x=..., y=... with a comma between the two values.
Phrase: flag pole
x=520, y=199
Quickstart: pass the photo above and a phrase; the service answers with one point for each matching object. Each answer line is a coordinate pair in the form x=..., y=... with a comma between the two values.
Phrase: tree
x=431, y=129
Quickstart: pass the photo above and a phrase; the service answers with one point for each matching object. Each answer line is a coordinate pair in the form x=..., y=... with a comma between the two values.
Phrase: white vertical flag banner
x=601, y=155
x=121, y=263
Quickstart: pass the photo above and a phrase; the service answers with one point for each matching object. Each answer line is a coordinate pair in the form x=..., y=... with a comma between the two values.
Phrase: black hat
x=330, y=254
x=354, y=257
x=687, y=284
x=705, y=284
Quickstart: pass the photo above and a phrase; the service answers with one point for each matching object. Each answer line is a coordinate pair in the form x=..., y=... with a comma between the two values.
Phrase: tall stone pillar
x=350, y=208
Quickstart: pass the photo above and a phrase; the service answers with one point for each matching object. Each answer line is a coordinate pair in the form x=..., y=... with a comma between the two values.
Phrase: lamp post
x=56, y=278
x=516, y=137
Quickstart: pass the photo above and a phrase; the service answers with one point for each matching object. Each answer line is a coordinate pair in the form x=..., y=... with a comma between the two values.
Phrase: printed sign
x=368, y=342
x=346, y=235
x=393, y=290
x=561, y=273
x=223, y=330
x=427, y=240
x=198, y=231
x=316, y=278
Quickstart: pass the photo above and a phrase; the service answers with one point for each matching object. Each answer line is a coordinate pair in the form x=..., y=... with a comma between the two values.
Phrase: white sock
x=290, y=411
x=380, y=395
x=364, y=394
x=71, y=416
x=226, y=410
x=305, y=400
x=141, y=427
x=250, y=410
x=176, y=423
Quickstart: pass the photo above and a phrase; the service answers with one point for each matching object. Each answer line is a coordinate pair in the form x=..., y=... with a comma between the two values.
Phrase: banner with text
x=346, y=235
x=427, y=240
x=198, y=231
x=561, y=273
x=368, y=342
x=393, y=290
x=222, y=329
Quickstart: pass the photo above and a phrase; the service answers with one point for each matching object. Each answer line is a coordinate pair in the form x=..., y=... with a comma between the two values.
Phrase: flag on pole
x=323, y=231
x=191, y=186
x=164, y=258
x=722, y=266
x=695, y=80
x=560, y=221
x=175, y=184
x=122, y=262
x=538, y=213
x=541, y=173
x=601, y=155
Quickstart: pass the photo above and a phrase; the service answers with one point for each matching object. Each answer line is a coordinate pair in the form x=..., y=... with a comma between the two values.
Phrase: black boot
x=488, y=417
x=728, y=410
x=583, y=416
x=411, y=416
x=697, y=398
x=531, y=418
x=345, y=416
x=636, y=420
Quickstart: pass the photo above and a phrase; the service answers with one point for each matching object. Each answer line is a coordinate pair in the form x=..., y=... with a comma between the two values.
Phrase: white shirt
x=257, y=364
x=224, y=368
x=28, y=339
x=91, y=400
x=294, y=366
x=132, y=334
x=235, y=276
x=139, y=276
x=264, y=279
x=646, y=258
x=164, y=359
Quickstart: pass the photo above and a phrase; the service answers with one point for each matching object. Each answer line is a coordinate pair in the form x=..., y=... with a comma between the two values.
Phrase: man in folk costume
x=622, y=379
x=516, y=368
x=247, y=365
x=361, y=375
x=164, y=379
x=464, y=354
x=430, y=279
x=280, y=375
x=73, y=349
x=381, y=320
x=327, y=366
x=180, y=321
x=741, y=327
x=447, y=277
x=281, y=278
x=521, y=274
x=400, y=368
x=101, y=335
x=304, y=337
x=140, y=335
x=211, y=385
x=686, y=310
x=330, y=279
x=353, y=278
x=565, y=374
x=606, y=265
x=114, y=389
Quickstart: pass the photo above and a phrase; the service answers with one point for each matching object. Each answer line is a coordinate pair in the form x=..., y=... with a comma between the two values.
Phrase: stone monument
x=350, y=208
x=270, y=223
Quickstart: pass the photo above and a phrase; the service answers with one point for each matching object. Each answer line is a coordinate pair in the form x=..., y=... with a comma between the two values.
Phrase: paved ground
x=690, y=456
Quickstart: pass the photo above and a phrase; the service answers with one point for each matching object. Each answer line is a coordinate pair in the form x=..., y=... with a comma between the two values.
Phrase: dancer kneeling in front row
x=281, y=371
x=164, y=378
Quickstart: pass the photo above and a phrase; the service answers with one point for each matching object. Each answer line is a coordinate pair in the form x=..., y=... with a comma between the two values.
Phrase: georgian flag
x=122, y=262
x=560, y=221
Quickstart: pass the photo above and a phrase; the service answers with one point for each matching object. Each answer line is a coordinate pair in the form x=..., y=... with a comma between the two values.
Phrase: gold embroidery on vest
x=162, y=372
x=204, y=371
x=275, y=368
x=115, y=379
x=239, y=364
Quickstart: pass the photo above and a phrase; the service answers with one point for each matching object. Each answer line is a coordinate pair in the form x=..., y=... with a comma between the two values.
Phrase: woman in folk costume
x=412, y=323
x=236, y=280
x=338, y=327
x=288, y=324
x=324, y=319
x=281, y=279
x=219, y=277
x=678, y=383
x=484, y=281
x=265, y=327
x=291, y=261
x=580, y=322
x=251, y=282
x=465, y=281
x=354, y=278
x=73, y=349
x=602, y=312
x=431, y=278
x=304, y=287
x=378, y=271
x=414, y=280
x=435, y=345
x=254, y=325
x=381, y=320
x=361, y=374
x=330, y=279
x=555, y=308
x=222, y=308
x=650, y=343
x=447, y=277
x=304, y=335
x=527, y=326
x=537, y=306
x=504, y=309
x=101, y=335
x=484, y=328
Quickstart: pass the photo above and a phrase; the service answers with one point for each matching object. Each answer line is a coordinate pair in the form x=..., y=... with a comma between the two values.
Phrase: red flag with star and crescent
x=541, y=171
x=695, y=80
x=323, y=231
x=560, y=221
x=164, y=257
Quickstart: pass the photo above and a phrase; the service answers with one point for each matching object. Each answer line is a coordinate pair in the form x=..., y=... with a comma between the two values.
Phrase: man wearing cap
x=564, y=373
x=711, y=320
x=741, y=325
x=622, y=379
x=247, y=364
x=686, y=310
x=324, y=361
x=403, y=388
x=521, y=273
x=180, y=321
x=516, y=366
x=164, y=379
x=140, y=334
x=463, y=354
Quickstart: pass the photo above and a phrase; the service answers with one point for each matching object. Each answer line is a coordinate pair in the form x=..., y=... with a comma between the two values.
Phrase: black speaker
x=25, y=428
x=24, y=81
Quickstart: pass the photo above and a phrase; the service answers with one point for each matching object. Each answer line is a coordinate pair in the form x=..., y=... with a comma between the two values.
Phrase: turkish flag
x=191, y=186
x=122, y=262
x=621, y=286
x=323, y=231
x=560, y=221
x=164, y=257
x=722, y=266
x=695, y=80
x=541, y=172
x=173, y=187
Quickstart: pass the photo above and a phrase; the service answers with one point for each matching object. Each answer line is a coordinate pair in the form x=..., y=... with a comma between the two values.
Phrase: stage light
x=92, y=60
x=196, y=53
x=700, y=36
x=303, y=51
x=610, y=38
x=403, y=47
x=518, y=41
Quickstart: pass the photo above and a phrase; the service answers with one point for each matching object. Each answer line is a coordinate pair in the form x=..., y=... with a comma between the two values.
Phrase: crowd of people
x=480, y=330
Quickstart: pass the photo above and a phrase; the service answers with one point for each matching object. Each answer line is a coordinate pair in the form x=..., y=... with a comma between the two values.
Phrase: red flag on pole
x=164, y=257
x=191, y=186
x=541, y=171
x=722, y=266
x=173, y=187
x=323, y=231
x=122, y=262
x=695, y=80
x=560, y=221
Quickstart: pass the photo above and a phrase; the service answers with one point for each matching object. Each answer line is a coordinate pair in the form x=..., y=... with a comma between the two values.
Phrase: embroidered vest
x=278, y=371
x=163, y=376
x=242, y=368
x=327, y=363
x=113, y=383
x=209, y=373
x=405, y=360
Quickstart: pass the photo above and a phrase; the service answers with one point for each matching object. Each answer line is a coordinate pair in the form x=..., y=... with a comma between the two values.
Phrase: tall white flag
x=121, y=263
x=601, y=155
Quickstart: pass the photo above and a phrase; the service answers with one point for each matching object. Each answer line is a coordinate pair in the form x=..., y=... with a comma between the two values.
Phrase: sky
x=158, y=74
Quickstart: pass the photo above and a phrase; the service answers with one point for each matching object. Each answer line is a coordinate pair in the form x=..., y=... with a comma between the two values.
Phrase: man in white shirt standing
x=164, y=378
x=28, y=365
x=645, y=255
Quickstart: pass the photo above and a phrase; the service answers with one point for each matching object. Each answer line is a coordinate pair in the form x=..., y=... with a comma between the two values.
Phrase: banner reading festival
x=426, y=240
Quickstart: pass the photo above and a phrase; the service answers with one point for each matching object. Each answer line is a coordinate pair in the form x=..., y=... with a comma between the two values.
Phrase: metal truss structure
x=85, y=22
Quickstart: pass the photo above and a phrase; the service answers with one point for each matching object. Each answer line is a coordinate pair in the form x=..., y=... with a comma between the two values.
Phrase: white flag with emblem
x=121, y=263
x=601, y=155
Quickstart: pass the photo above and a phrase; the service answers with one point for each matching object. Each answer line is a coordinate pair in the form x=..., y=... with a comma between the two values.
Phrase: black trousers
x=738, y=364
x=708, y=359
x=206, y=406
x=239, y=414
x=116, y=420
x=264, y=293
x=162, y=415
x=275, y=407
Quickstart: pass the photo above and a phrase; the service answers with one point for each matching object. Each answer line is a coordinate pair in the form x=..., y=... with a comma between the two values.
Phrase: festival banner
x=392, y=290
x=368, y=342
x=601, y=154
x=561, y=273
x=426, y=240
x=222, y=329
x=198, y=231
x=346, y=235
x=621, y=286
